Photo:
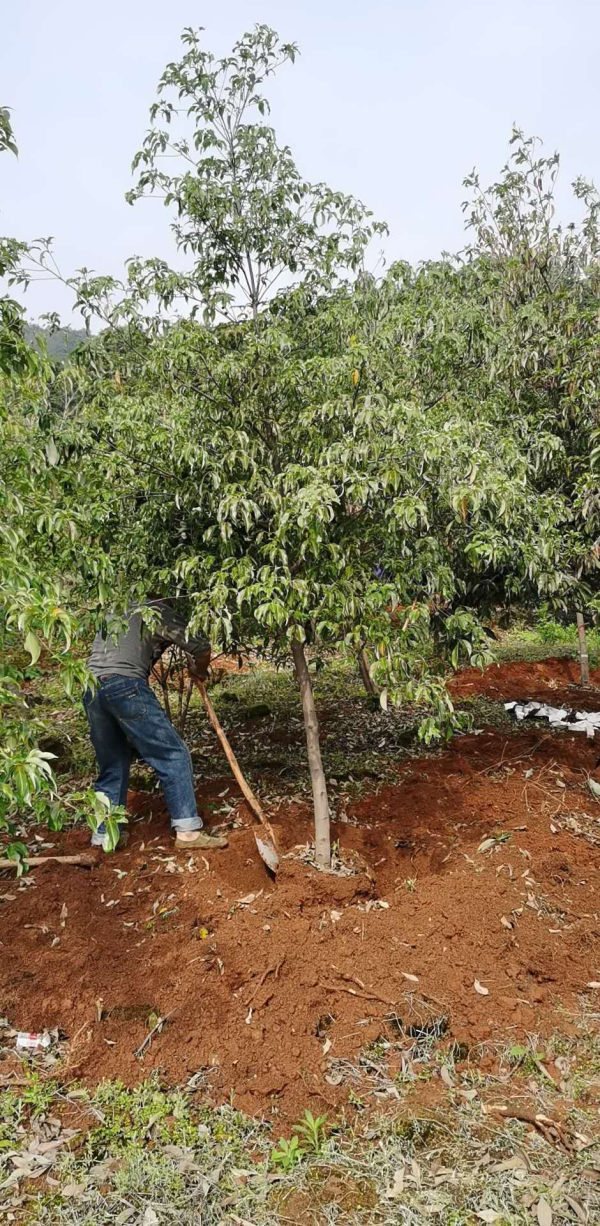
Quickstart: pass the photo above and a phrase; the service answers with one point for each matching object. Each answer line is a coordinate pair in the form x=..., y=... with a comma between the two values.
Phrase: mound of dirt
x=475, y=918
x=555, y=681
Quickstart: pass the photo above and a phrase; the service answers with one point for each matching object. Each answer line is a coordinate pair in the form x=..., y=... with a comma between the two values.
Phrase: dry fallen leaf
x=396, y=1187
x=486, y=845
x=480, y=988
x=411, y=978
x=594, y=983
x=125, y=1216
x=335, y=916
x=544, y=1212
x=74, y=1190
x=506, y=923
x=578, y=1210
x=446, y=1077
x=509, y=1164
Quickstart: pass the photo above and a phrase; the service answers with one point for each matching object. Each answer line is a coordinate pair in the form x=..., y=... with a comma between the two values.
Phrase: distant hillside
x=60, y=343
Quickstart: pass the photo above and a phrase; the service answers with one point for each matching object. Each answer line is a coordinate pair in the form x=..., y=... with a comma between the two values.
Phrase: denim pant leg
x=142, y=719
x=113, y=754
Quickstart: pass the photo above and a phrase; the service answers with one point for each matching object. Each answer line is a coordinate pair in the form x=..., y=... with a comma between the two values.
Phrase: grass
x=545, y=637
x=151, y=1156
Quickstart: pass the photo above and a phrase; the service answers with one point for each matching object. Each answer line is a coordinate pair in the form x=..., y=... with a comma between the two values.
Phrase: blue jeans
x=124, y=714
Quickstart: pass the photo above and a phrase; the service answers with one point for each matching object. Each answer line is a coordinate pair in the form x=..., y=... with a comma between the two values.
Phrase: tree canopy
x=306, y=456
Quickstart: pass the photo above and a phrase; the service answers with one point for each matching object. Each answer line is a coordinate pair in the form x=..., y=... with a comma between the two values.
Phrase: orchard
x=361, y=489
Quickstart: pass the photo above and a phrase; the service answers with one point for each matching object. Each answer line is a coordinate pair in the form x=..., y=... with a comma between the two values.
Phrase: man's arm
x=174, y=630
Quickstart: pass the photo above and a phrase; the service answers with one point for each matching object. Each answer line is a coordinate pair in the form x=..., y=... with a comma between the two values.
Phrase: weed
x=287, y=1154
x=38, y=1095
x=410, y=884
x=132, y=1116
x=355, y=1100
x=10, y=1105
x=312, y=1131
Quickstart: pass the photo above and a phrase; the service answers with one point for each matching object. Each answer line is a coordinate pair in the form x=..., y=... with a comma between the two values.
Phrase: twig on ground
x=339, y=987
x=525, y=757
x=156, y=1029
x=551, y=1130
x=271, y=970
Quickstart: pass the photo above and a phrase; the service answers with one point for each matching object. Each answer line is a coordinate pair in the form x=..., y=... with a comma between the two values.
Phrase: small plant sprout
x=312, y=1132
x=287, y=1154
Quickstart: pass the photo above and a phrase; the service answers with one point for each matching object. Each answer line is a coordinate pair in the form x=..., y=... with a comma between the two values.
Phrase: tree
x=244, y=214
x=7, y=138
x=315, y=460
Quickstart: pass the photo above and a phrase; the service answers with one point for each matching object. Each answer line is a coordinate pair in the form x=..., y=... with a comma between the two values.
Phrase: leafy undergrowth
x=545, y=637
x=150, y=1156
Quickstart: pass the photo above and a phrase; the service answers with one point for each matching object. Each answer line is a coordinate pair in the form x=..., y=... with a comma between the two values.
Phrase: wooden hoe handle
x=233, y=762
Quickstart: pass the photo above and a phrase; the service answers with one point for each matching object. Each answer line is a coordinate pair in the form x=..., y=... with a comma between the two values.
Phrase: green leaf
x=33, y=646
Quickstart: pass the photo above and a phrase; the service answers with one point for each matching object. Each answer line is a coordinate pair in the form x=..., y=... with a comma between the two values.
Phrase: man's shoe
x=202, y=841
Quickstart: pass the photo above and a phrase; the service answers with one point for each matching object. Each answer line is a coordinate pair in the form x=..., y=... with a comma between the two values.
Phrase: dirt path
x=479, y=866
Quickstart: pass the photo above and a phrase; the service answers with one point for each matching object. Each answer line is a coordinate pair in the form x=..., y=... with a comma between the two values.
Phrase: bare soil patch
x=555, y=680
x=471, y=917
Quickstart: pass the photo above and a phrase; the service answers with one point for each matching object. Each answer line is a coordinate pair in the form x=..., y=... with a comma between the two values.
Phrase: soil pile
x=555, y=681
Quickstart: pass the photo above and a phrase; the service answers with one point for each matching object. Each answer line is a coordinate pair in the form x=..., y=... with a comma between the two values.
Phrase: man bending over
x=124, y=715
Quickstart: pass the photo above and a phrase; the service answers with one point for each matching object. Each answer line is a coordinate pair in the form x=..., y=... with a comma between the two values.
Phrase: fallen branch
x=83, y=861
x=156, y=1029
x=271, y=970
x=551, y=1130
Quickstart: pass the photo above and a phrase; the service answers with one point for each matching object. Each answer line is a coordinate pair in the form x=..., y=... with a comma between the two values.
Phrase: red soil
x=258, y=989
x=554, y=681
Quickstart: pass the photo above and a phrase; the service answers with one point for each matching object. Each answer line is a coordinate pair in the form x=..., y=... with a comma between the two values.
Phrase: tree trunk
x=583, y=651
x=317, y=774
x=367, y=680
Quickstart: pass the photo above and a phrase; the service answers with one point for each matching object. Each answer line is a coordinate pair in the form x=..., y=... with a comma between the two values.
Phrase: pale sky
x=392, y=101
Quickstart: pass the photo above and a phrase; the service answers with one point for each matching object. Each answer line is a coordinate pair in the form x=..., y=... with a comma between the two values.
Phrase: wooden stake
x=583, y=652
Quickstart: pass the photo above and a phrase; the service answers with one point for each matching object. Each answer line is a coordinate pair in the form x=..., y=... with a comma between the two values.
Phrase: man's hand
x=199, y=665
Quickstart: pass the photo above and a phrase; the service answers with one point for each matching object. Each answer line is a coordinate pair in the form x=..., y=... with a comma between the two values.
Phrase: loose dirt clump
x=471, y=918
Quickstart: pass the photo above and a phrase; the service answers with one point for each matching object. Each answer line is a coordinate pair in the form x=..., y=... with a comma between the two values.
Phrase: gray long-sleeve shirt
x=134, y=652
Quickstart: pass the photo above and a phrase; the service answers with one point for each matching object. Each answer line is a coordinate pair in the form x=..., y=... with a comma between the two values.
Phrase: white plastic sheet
x=561, y=717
